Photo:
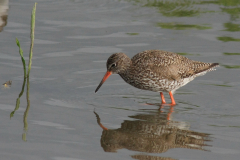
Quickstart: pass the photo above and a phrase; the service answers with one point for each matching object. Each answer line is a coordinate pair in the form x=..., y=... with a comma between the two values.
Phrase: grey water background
x=74, y=38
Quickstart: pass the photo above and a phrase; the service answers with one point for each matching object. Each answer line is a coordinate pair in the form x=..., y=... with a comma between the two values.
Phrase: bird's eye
x=113, y=65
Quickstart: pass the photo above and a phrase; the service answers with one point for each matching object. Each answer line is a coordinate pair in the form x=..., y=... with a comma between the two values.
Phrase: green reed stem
x=21, y=54
x=32, y=38
x=26, y=75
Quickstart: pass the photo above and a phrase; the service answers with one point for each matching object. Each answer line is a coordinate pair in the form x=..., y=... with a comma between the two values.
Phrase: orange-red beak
x=103, y=80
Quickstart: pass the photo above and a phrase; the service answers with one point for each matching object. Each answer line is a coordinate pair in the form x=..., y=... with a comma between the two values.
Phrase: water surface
x=73, y=39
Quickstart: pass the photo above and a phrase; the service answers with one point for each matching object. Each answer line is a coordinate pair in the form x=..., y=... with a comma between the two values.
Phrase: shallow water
x=73, y=39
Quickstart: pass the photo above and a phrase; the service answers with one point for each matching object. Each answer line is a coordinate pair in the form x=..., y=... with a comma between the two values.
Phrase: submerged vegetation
x=179, y=26
x=230, y=54
x=228, y=39
x=231, y=66
x=232, y=27
x=190, y=8
x=133, y=34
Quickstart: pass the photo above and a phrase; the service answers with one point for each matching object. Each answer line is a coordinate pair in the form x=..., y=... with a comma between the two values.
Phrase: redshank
x=156, y=70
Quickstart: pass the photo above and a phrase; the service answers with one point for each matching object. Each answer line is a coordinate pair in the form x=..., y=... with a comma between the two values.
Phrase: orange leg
x=172, y=99
x=163, y=99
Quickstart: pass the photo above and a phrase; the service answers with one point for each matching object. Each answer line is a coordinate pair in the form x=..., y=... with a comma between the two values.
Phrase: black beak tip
x=96, y=90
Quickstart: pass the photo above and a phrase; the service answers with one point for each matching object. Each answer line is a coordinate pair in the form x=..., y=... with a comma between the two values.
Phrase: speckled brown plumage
x=156, y=70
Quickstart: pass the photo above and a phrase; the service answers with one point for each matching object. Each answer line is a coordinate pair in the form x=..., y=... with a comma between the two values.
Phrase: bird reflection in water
x=149, y=157
x=151, y=132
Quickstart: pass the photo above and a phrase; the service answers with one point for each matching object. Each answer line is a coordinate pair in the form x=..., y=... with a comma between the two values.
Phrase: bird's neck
x=125, y=72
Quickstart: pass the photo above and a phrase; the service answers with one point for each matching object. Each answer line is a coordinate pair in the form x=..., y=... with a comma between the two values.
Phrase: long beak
x=103, y=80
